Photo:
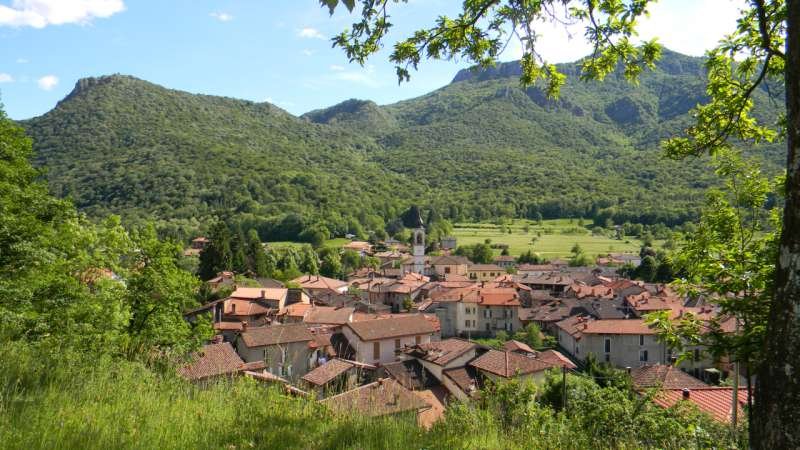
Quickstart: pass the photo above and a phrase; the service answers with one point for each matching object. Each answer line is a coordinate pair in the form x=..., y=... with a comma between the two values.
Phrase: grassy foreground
x=65, y=400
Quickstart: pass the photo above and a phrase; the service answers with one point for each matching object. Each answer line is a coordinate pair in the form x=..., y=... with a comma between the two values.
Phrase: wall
x=298, y=355
x=364, y=350
x=498, y=321
x=625, y=349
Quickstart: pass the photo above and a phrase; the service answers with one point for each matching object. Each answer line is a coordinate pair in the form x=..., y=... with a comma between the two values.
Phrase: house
x=442, y=355
x=289, y=351
x=463, y=383
x=447, y=266
x=397, y=293
x=663, y=376
x=535, y=269
x=216, y=360
x=335, y=375
x=516, y=346
x=497, y=364
x=200, y=243
x=382, y=398
x=553, y=282
x=479, y=309
x=620, y=342
x=223, y=279
x=626, y=258
x=484, y=272
x=505, y=261
x=715, y=401
x=317, y=283
x=294, y=313
x=376, y=341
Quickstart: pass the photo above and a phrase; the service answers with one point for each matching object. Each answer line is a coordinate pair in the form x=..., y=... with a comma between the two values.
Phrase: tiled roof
x=664, y=376
x=228, y=326
x=448, y=260
x=485, y=268
x=410, y=374
x=380, y=398
x=517, y=346
x=328, y=315
x=255, y=293
x=327, y=372
x=574, y=325
x=535, y=267
x=296, y=310
x=618, y=326
x=212, y=360
x=276, y=334
x=509, y=364
x=556, y=359
x=441, y=352
x=466, y=378
x=392, y=326
x=715, y=401
x=319, y=282
x=240, y=307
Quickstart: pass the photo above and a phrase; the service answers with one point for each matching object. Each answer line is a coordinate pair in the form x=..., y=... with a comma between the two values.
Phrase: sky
x=277, y=51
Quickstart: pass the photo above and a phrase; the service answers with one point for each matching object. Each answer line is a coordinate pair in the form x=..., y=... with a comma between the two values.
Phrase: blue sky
x=277, y=51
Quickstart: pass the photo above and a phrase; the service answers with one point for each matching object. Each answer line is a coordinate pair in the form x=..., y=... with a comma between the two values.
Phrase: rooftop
x=212, y=360
x=664, y=376
x=380, y=398
x=276, y=334
x=441, y=352
x=509, y=364
x=327, y=372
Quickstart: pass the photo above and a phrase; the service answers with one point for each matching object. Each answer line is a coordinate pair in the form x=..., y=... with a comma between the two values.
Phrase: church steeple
x=418, y=236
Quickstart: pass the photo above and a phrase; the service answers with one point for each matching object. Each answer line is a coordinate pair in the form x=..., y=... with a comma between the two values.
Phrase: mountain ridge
x=477, y=148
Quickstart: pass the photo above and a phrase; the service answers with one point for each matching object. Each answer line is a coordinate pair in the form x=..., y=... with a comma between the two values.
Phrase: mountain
x=479, y=147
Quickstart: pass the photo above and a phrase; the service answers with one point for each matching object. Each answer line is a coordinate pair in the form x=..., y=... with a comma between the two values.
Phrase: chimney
x=686, y=393
x=263, y=294
x=244, y=326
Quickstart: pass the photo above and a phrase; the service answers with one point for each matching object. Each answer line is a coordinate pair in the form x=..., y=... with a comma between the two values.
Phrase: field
x=554, y=238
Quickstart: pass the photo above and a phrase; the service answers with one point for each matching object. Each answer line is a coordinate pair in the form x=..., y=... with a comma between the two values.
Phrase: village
x=423, y=331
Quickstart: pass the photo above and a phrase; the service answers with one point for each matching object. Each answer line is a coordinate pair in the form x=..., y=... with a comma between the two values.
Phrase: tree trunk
x=776, y=422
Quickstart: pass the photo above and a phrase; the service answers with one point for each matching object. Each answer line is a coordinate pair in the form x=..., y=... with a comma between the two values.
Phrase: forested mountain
x=477, y=148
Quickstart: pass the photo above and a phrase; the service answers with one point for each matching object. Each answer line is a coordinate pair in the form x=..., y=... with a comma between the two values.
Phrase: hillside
x=477, y=148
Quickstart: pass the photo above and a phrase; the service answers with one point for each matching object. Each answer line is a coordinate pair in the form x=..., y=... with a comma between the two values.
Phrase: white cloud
x=47, y=82
x=337, y=68
x=307, y=52
x=6, y=78
x=22, y=61
x=310, y=33
x=40, y=13
x=221, y=16
x=364, y=78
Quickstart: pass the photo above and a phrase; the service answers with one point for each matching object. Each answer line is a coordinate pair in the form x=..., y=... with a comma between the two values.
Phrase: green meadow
x=552, y=239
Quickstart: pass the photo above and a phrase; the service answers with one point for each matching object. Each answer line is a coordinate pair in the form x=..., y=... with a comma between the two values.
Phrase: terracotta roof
x=329, y=315
x=715, y=401
x=465, y=378
x=509, y=364
x=448, y=260
x=380, y=398
x=212, y=360
x=244, y=308
x=664, y=376
x=255, y=293
x=556, y=358
x=441, y=352
x=574, y=325
x=327, y=372
x=411, y=374
x=486, y=268
x=618, y=326
x=296, y=310
x=276, y=334
x=516, y=346
x=228, y=326
x=392, y=326
x=580, y=291
x=319, y=282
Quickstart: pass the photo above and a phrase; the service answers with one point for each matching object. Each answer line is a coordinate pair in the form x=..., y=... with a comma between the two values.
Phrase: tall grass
x=60, y=399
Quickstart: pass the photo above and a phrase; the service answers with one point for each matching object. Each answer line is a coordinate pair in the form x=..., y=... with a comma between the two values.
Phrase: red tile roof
x=319, y=282
x=556, y=358
x=255, y=293
x=618, y=326
x=514, y=345
x=212, y=360
x=276, y=334
x=328, y=315
x=380, y=398
x=509, y=364
x=715, y=401
x=327, y=372
x=664, y=376
x=392, y=326
x=465, y=378
x=441, y=352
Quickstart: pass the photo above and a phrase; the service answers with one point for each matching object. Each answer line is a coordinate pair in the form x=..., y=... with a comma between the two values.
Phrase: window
x=446, y=270
x=697, y=354
x=643, y=355
x=488, y=327
x=466, y=323
x=641, y=339
x=577, y=349
x=608, y=357
x=607, y=345
x=418, y=339
x=486, y=313
x=397, y=344
x=376, y=350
